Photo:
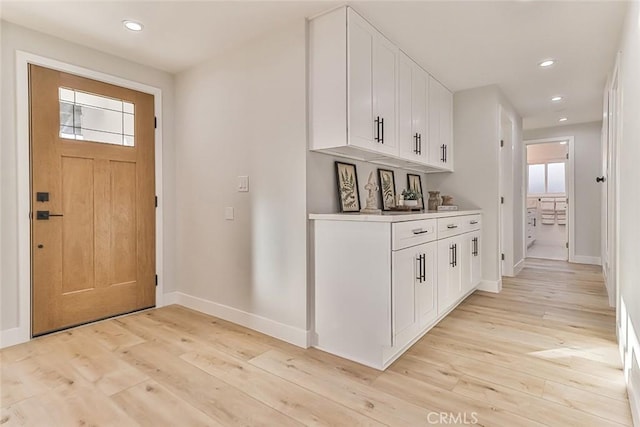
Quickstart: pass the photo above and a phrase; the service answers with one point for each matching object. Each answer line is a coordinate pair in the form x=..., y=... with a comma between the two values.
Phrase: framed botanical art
x=387, y=189
x=348, y=194
x=414, y=182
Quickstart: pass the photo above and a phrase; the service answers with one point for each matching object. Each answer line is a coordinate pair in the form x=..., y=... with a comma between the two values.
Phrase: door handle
x=601, y=179
x=44, y=215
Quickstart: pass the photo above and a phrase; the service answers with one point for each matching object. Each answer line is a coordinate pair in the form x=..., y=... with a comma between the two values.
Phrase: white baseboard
x=633, y=390
x=518, y=267
x=278, y=330
x=494, y=286
x=581, y=259
x=13, y=336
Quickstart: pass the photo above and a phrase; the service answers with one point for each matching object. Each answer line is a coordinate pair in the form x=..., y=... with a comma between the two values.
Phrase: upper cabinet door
x=384, y=94
x=440, y=125
x=360, y=72
x=412, y=110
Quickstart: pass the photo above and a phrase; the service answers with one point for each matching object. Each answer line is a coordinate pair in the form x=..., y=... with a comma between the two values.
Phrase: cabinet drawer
x=411, y=233
x=473, y=222
x=455, y=225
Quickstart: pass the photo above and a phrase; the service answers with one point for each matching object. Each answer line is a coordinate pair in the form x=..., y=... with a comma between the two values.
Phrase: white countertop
x=391, y=216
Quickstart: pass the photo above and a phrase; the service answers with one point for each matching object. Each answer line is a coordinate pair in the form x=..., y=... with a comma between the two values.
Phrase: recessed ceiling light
x=547, y=63
x=133, y=25
x=557, y=98
x=563, y=119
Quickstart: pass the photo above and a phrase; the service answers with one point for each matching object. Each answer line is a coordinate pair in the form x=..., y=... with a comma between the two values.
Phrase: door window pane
x=536, y=179
x=95, y=118
x=555, y=178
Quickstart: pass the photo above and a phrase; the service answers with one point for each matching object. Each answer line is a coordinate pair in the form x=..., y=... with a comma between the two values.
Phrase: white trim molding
x=22, y=333
x=582, y=259
x=518, y=267
x=290, y=334
x=494, y=286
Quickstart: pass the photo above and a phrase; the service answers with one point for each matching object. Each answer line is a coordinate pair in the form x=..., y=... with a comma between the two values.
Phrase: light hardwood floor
x=542, y=352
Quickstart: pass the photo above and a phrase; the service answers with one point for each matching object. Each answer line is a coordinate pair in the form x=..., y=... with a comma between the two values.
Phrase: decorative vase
x=434, y=200
x=447, y=200
x=411, y=203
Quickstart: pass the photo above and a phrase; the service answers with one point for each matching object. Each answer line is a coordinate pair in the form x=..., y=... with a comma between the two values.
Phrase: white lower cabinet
x=413, y=291
x=450, y=262
x=381, y=282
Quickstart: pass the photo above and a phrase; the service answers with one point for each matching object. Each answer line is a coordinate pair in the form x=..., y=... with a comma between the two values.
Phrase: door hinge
x=502, y=257
x=567, y=245
x=502, y=200
x=156, y=201
x=155, y=123
x=501, y=143
x=156, y=280
x=567, y=156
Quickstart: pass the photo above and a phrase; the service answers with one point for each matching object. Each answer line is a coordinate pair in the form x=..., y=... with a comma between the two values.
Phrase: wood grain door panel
x=98, y=259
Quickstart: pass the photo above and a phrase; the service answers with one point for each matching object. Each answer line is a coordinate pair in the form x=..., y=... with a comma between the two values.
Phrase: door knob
x=601, y=179
x=44, y=215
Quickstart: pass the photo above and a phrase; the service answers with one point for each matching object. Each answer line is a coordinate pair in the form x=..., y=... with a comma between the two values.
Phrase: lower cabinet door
x=426, y=288
x=406, y=269
x=449, y=272
x=476, y=260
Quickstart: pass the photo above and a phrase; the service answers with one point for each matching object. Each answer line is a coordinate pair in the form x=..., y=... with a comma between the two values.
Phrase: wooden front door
x=92, y=200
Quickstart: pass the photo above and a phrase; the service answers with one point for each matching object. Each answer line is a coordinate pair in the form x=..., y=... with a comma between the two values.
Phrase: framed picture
x=414, y=182
x=387, y=189
x=348, y=194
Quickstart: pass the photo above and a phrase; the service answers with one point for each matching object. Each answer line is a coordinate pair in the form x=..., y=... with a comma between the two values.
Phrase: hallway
x=542, y=352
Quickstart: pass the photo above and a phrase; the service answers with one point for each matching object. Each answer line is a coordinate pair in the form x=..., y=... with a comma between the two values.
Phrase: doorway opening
x=548, y=194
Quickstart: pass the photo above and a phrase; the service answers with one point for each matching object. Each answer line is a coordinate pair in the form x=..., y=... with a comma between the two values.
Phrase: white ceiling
x=463, y=44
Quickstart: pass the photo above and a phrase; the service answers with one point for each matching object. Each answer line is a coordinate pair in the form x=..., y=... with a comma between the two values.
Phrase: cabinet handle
x=419, y=259
x=417, y=150
x=442, y=153
x=377, y=122
x=382, y=132
x=419, y=143
x=534, y=222
x=451, y=226
x=424, y=268
x=473, y=222
x=451, y=260
x=455, y=255
x=446, y=153
x=419, y=231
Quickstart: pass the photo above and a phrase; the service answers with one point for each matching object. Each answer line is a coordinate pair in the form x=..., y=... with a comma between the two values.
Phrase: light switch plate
x=228, y=213
x=243, y=183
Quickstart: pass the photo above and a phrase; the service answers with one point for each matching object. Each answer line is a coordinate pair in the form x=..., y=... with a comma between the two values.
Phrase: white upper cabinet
x=413, y=87
x=440, y=125
x=367, y=99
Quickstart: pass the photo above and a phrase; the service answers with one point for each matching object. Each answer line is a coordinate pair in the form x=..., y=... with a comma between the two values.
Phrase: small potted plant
x=411, y=197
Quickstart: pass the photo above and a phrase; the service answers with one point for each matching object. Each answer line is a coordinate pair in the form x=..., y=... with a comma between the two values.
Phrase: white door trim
x=570, y=189
x=23, y=332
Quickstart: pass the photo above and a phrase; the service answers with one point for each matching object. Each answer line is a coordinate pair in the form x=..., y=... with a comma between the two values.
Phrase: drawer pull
x=473, y=222
x=451, y=226
x=419, y=231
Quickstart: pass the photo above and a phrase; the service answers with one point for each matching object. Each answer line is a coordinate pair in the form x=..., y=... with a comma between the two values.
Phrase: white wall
x=475, y=180
x=587, y=165
x=245, y=114
x=629, y=195
x=322, y=190
x=18, y=38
